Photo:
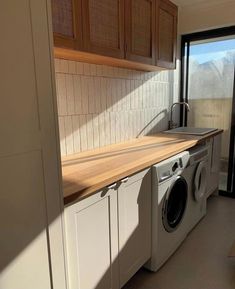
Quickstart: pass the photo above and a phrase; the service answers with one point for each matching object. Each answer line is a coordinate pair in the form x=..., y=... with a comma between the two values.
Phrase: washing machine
x=196, y=174
x=169, y=208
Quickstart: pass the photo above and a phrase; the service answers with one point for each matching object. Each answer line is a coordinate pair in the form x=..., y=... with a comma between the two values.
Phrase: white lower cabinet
x=214, y=164
x=108, y=235
x=134, y=208
x=92, y=242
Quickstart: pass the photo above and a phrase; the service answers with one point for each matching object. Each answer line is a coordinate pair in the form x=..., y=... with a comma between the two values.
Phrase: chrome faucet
x=171, y=123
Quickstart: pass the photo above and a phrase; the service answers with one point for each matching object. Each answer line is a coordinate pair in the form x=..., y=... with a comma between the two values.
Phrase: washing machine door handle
x=200, y=181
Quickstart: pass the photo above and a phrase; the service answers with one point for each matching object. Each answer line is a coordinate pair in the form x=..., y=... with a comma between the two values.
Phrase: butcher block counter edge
x=88, y=172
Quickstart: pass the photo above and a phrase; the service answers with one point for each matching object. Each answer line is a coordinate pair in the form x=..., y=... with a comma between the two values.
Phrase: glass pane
x=210, y=92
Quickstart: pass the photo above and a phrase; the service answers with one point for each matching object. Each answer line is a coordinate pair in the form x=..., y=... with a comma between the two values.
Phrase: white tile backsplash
x=101, y=105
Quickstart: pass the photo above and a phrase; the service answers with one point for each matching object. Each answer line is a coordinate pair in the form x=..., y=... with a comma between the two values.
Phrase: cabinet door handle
x=125, y=180
x=112, y=186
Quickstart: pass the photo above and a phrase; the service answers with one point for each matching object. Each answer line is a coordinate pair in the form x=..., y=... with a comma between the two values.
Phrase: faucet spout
x=171, y=123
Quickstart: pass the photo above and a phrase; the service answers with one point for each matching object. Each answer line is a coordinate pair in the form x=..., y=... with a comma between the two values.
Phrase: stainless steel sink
x=191, y=130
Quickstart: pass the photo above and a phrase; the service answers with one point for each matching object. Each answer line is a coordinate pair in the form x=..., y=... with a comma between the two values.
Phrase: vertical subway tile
x=122, y=126
x=76, y=134
x=118, y=88
x=77, y=94
x=101, y=120
x=107, y=128
x=70, y=94
x=117, y=127
x=132, y=94
x=128, y=94
x=109, y=92
x=64, y=66
x=138, y=123
x=144, y=94
x=124, y=95
x=79, y=68
x=84, y=88
x=71, y=67
x=61, y=94
x=99, y=70
x=103, y=93
x=83, y=132
x=86, y=68
x=90, y=134
x=91, y=94
x=62, y=136
x=69, y=134
x=113, y=127
x=97, y=94
x=127, y=132
x=114, y=92
x=93, y=69
x=96, y=136
x=130, y=124
x=57, y=65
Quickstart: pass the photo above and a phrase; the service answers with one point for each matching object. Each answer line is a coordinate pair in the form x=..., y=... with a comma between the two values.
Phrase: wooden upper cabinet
x=138, y=34
x=166, y=32
x=140, y=30
x=103, y=23
x=67, y=24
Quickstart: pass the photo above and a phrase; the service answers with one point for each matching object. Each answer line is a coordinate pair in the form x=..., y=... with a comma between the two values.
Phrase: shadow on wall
x=161, y=123
x=100, y=105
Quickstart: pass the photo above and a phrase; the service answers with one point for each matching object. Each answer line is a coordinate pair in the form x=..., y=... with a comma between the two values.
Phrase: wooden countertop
x=87, y=172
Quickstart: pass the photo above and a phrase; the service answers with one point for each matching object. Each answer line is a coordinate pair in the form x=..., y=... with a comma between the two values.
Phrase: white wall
x=206, y=15
x=100, y=105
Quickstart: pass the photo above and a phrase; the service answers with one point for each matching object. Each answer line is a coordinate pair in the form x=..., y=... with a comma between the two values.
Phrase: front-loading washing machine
x=196, y=175
x=169, y=208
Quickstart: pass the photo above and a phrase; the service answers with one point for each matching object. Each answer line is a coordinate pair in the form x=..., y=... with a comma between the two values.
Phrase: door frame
x=185, y=51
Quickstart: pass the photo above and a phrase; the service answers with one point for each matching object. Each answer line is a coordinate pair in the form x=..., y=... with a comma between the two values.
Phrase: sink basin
x=191, y=130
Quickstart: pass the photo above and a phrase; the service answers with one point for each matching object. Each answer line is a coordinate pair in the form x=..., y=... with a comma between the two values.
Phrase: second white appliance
x=196, y=175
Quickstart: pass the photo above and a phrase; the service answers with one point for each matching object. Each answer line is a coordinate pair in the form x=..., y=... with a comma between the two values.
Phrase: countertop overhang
x=87, y=172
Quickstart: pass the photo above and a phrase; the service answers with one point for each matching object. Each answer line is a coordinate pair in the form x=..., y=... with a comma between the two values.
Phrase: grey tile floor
x=201, y=261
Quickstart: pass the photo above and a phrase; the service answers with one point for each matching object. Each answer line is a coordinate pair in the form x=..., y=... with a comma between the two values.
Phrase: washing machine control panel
x=170, y=167
x=170, y=170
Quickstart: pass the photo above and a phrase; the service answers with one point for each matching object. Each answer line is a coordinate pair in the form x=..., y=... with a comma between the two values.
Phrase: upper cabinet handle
x=112, y=186
x=125, y=180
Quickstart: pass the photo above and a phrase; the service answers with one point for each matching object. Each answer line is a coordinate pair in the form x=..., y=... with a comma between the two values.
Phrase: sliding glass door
x=208, y=61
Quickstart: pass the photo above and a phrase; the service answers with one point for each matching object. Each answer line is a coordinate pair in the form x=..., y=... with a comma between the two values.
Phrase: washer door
x=200, y=180
x=175, y=204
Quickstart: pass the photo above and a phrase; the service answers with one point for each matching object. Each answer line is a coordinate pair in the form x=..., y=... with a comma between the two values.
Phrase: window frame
x=184, y=79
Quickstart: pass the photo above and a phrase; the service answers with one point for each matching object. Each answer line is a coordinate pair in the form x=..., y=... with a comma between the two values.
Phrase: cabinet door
x=67, y=24
x=103, y=23
x=92, y=242
x=166, y=33
x=134, y=210
x=214, y=164
x=139, y=28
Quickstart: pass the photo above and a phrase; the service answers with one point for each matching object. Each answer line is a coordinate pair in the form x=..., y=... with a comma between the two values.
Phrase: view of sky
x=212, y=50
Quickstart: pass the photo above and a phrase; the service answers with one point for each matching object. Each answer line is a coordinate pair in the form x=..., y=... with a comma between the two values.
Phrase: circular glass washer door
x=175, y=204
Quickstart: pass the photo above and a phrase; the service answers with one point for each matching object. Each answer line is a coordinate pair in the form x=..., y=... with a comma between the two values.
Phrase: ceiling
x=183, y=3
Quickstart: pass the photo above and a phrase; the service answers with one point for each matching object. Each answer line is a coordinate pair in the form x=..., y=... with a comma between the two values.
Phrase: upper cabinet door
x=103, y=23
x=166, y=34
x=140, y=30
x=67, y=24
